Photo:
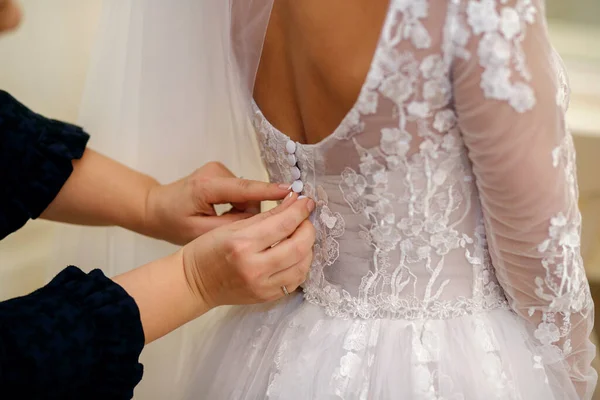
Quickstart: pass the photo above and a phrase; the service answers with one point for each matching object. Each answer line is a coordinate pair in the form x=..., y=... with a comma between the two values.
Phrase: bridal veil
x=167, y=91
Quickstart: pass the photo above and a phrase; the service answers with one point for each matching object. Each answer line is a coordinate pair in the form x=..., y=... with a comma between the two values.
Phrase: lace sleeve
x=511, y=97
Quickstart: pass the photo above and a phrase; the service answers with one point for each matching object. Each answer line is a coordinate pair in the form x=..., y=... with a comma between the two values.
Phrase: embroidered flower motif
x=356, y=339
x=422, y=380
x=385, y=237
x=482, y=16
x=562, y=233
x=494, y=51
x=495, y=83
x=436, y=224
x=418, y=35
x=354, y=181
x=425, y=343
x=444, y=242
x=433, y=67
x=522, y=97
x=414, y=251
x=527, y=10
x=418, y=109
x=444, y=121
x=510, y=23
x=374, y=172
x=368, y=102
x=399, y=86
x=547, y=333
x=414, y=30
x=500, y=52
x=349, y=364
x=411, y=226
x=395, y=142
x=437, y=93
x=333, y=221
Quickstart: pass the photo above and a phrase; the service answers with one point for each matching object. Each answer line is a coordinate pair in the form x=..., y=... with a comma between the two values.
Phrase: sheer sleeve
x=511, y=97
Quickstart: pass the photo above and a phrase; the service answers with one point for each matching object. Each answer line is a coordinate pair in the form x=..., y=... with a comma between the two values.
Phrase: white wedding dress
x=447, y=260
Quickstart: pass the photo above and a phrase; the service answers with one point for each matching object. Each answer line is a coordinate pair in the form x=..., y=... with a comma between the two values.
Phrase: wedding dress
x=447, y=261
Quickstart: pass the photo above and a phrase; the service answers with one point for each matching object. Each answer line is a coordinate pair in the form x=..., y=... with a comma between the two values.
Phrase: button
x=295, y=173
x=297, y=186
x=290, y=147
x=291, y=159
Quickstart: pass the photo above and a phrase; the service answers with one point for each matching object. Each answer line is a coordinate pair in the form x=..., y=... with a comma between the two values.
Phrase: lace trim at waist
x=340, y=304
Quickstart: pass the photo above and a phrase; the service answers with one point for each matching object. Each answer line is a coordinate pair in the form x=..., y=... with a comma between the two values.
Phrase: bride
x=432, y=136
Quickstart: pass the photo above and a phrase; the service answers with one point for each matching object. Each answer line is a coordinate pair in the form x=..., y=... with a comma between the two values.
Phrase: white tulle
x=295, y=351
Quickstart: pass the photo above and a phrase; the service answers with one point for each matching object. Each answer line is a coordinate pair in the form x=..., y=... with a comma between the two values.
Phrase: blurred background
x=44, y=65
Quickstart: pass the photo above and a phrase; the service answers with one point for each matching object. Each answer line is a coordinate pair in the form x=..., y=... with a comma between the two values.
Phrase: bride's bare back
x=315, y=59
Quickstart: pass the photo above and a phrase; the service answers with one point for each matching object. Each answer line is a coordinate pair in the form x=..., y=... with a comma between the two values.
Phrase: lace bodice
x=449, y=187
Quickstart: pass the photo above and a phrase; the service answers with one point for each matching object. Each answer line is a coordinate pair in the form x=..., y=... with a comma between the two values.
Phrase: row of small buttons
x=297, y=186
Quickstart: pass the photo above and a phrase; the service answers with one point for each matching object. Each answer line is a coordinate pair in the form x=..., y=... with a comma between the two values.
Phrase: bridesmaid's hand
x=183, y=210
x=241, y=263
x=249, y=261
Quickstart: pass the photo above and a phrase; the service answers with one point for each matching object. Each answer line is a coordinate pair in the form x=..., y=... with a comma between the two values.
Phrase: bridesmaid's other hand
x=250, y=261
x=10, y=15
x=181, y=211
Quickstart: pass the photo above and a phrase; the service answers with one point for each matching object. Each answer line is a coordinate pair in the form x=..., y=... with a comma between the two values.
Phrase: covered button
x=290, y=147
x=295, y=173
x=297, y=186
x=291, y=159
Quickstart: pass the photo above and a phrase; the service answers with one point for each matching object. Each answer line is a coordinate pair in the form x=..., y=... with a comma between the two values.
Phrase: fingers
x=235, y=191
x=212, y=171
x=288, y=201
x=279, y=224
x=291, y=277
x=208, y=223
x=292, y=250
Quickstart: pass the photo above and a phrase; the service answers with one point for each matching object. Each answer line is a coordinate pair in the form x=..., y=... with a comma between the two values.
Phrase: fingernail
x=284, y=186
x=301, y=197
x=287, y=198
x=310, y=205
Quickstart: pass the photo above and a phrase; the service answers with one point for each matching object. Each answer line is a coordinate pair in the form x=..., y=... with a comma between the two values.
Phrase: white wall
x=45, y=61
x=43, y=64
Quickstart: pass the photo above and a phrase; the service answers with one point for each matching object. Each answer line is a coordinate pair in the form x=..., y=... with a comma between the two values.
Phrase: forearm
x=101, y=191
x=163, y=296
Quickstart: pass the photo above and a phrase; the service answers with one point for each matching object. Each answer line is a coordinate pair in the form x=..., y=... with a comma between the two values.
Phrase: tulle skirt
x=292, y=350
